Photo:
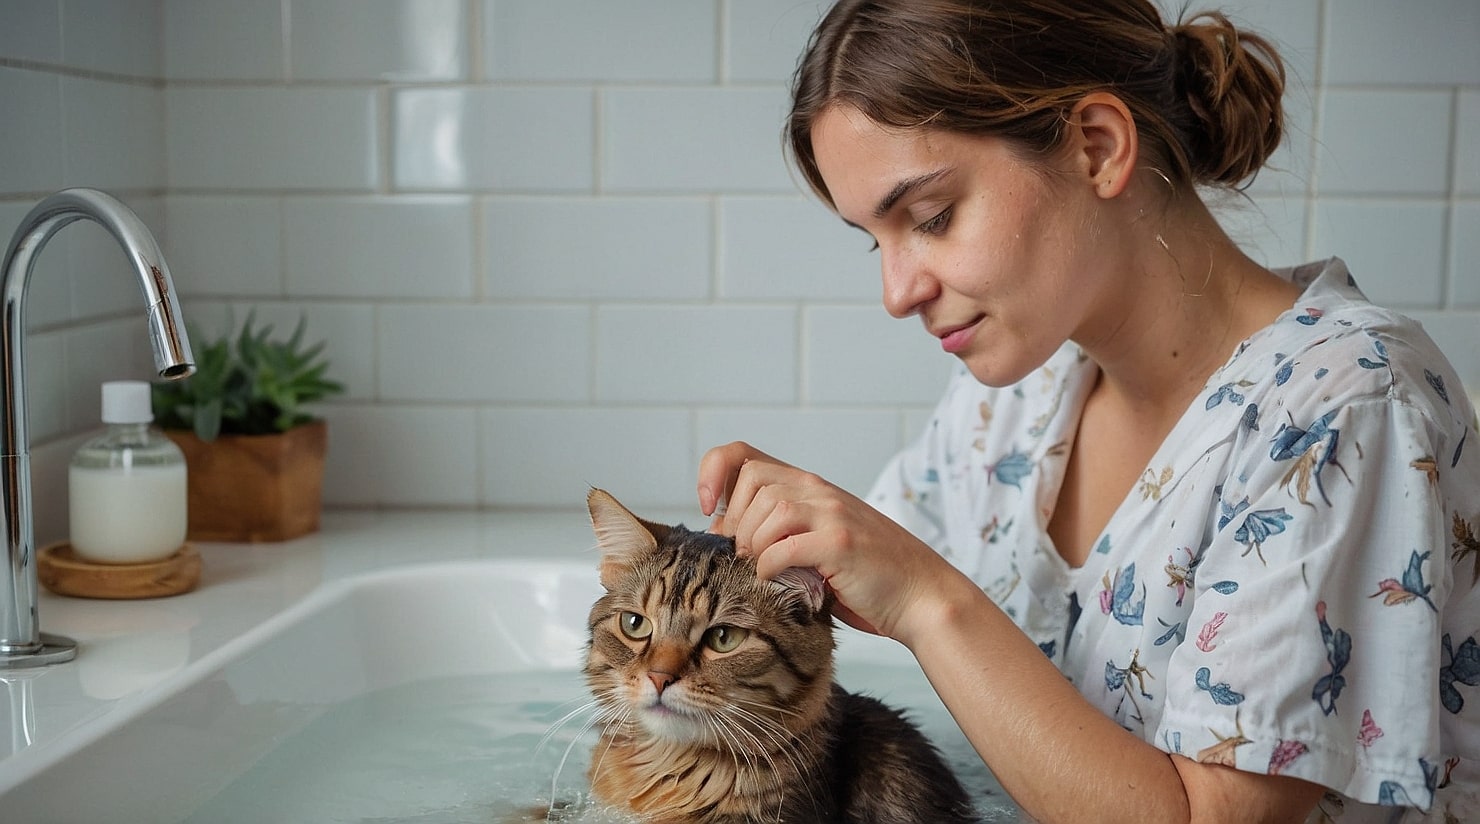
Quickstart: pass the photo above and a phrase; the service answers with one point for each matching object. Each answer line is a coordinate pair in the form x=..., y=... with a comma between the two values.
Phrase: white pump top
x=127, y=402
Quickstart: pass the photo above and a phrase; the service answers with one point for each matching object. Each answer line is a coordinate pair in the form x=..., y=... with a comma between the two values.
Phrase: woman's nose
x=908, y=286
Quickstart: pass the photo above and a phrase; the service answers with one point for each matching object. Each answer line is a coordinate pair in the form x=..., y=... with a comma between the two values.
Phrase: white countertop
x=129, y=650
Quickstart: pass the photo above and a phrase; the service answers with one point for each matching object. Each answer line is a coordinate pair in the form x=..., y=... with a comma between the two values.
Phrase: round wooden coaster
x=61, y=571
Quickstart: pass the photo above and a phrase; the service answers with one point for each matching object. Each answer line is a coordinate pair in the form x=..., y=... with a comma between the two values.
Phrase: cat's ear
x=803, y=584
x=621, y=536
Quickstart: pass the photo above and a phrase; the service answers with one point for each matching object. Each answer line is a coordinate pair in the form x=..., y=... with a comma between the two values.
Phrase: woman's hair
x=1205, y=96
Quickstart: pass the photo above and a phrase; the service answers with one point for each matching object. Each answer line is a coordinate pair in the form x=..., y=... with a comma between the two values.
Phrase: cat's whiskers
x=729, y=743
x=787, y=747
x=762, y=751
x=599, y=714
x=779, y=710
x=782, y=737
x=751, y=768
x=621, y=719
x=588, y=706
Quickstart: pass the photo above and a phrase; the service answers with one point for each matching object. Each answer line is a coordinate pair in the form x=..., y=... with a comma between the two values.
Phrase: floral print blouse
x=1290, y=587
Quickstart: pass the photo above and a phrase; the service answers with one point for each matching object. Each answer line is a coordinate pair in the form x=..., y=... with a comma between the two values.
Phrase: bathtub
x=354, y=683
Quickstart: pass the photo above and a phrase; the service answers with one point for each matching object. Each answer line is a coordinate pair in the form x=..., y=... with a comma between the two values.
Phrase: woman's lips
x=955, y=339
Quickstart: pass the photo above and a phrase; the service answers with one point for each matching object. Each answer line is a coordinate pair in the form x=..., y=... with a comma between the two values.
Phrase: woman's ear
x=1102, y=139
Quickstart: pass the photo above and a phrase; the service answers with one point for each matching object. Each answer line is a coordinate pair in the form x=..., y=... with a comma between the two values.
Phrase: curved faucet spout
x=22, y=644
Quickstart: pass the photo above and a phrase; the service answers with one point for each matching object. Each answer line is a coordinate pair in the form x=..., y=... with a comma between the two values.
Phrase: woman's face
x=990, y=252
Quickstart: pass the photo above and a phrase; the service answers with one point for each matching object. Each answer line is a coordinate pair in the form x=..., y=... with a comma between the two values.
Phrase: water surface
x=481, y=749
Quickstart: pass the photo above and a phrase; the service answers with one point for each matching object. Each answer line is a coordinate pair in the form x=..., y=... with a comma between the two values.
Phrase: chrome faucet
x=22, y=643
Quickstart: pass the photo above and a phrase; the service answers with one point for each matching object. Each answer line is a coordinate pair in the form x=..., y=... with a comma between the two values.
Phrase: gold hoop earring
x=1207, y=278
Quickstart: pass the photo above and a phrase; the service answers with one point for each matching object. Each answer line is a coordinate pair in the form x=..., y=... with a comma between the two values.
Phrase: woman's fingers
x=767, y=504
x=718, y=470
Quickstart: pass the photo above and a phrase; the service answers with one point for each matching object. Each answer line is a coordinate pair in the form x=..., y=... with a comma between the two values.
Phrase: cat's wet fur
x=716, y=698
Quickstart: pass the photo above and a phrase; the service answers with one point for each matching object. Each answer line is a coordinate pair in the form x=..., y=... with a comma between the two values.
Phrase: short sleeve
x=1312, y=648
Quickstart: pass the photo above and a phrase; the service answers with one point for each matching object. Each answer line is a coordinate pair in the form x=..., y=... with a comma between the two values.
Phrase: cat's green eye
x=725, y=639
x=635, y=626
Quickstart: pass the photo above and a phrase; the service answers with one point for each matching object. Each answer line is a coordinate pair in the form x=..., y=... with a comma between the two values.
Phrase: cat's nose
x=661, y=680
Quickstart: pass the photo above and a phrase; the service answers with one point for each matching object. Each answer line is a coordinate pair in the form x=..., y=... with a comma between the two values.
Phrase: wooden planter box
x=255, y=487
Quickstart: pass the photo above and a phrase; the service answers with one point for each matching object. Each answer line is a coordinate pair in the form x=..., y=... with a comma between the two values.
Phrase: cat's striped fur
x=716, y=696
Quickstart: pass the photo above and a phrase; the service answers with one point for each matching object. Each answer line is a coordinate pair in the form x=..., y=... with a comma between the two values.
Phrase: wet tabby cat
x=716, y=696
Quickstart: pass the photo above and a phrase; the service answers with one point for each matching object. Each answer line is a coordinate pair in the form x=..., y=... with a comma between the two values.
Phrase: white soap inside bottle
x=127, y=499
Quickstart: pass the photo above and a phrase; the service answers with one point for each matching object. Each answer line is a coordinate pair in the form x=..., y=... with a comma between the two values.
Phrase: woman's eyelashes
x=936, y=226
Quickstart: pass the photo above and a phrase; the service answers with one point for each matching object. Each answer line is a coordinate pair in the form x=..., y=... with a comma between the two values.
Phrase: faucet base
x=54, y=649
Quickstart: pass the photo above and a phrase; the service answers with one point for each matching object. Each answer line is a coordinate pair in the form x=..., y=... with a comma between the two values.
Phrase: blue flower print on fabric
x=1174, y=633
x=1338, y=654
x=1115, y=599
x=1257, y=528
x=1381, y=362
x=1411, y=587
x=1392, y=794
x=1437, y=382
x=1463, y=667
x=1226, y=392
x=1011, y=469
x=1220, y=693
x=1251, y=418
x=1312, y=448
x=1282, y=375
x=1227, y=512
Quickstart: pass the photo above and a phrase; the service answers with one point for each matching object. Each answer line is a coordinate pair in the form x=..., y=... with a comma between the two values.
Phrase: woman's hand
x=883, y=576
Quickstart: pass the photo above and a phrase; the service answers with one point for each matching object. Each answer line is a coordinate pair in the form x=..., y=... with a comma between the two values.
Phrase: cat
x=716, y=698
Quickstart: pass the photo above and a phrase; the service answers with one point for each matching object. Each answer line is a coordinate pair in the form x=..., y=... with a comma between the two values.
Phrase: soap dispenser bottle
x=127, y=486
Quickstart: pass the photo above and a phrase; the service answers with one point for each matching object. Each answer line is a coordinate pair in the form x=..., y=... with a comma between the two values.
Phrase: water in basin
x=417, y=694
x=481, y=748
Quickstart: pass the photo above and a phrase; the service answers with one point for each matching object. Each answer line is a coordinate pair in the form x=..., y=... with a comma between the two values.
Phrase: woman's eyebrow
x=903, y=188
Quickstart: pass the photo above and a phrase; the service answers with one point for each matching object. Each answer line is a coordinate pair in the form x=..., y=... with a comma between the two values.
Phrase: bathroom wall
x=81, y=104
x=553, y=243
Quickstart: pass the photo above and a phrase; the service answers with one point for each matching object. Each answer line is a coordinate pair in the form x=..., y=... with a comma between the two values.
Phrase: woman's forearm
x=1058, y=756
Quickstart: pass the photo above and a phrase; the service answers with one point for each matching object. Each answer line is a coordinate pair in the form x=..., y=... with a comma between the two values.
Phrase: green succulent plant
x=248, y=384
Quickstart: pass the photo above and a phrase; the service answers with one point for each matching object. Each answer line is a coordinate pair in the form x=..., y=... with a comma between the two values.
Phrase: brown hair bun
x=1232, y=82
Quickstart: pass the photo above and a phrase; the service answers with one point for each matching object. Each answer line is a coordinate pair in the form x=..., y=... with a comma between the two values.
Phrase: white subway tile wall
x=1467, y=145
x=495, y=138
x=629, y=248
x=408, y=41
x=298, y=137
x=554, y=243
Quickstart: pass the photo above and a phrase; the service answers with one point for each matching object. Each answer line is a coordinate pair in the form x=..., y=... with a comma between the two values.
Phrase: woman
x=1187, y=539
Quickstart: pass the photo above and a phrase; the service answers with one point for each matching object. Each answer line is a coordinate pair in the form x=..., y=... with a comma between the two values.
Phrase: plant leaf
x=207, y=423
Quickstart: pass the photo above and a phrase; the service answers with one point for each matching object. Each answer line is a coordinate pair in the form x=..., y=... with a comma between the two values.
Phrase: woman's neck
x=1190, y=295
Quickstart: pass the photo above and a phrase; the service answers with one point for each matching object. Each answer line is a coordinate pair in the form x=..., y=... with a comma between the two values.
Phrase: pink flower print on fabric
x=1178, y=575
x=1210, y=632
x=1284, y=755
x=1369, y=731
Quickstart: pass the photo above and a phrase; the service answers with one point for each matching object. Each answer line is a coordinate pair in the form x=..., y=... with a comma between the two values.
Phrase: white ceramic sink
x=182, y=741
x=360, y=635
